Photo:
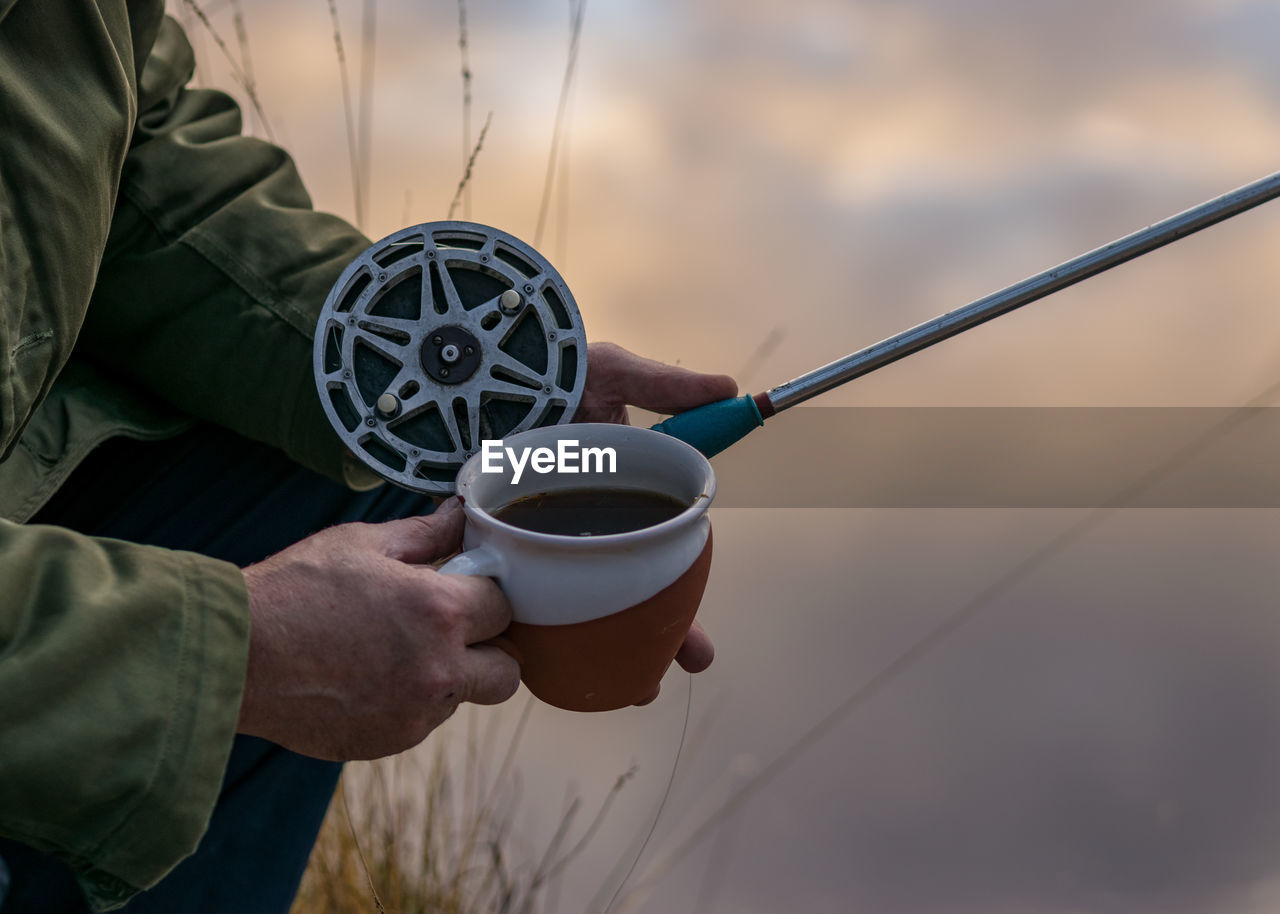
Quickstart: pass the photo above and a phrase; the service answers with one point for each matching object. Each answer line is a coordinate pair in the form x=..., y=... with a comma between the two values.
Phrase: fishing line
x=355, y=839
x=953, y=623
x=666, y=794
x=507, y=761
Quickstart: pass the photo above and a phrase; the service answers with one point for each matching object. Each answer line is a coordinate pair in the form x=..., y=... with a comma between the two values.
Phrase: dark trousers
x=212, y=492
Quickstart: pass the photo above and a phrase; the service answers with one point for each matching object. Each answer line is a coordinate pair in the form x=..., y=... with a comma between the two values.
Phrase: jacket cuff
x=167, y=823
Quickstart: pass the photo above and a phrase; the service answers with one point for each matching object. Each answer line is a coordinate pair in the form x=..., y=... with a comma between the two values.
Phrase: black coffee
x=590, y=512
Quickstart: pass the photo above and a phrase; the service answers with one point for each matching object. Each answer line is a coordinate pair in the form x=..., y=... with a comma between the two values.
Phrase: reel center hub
x=450, y=354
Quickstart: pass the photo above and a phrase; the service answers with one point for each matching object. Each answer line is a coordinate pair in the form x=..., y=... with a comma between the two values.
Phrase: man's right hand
x=358, y=650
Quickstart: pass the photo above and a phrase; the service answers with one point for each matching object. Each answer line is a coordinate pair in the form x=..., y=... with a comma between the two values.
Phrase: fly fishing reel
x=439, y=337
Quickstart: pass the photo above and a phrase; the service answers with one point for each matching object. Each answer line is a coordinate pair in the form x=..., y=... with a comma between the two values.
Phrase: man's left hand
x=617, y=379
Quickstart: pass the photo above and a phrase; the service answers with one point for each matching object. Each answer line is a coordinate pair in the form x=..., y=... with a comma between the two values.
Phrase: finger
x=648, y=699
x=625, y=377
x=423, y=539
x=492, y=676
x=697, y=652
x=591, y=411
x=486, y=612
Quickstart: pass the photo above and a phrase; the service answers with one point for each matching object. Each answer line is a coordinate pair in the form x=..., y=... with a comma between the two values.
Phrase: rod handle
x=712, y=427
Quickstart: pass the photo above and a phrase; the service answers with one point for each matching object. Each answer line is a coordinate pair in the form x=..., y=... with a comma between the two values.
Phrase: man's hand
x=358, y=650
x=617, y=379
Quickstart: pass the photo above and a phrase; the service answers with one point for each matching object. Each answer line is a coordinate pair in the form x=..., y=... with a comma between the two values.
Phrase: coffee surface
x=590, y=512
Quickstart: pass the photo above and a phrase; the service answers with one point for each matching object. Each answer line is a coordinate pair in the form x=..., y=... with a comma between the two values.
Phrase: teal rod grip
x=715, y=426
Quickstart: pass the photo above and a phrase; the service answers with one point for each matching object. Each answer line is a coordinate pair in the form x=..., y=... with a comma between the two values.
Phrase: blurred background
x=760, y=188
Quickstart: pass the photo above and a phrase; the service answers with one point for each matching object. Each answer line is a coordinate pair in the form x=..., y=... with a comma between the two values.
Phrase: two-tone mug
x=596, y=619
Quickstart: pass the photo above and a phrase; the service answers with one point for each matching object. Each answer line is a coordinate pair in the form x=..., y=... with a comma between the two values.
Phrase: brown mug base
x=615, y=661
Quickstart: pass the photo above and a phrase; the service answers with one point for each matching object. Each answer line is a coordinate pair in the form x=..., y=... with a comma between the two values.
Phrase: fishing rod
x=447, y=334
x=715, y=426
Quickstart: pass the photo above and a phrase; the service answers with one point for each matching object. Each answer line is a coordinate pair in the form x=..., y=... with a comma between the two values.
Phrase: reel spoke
x=466, y=441
x=518, y=371
x=474, y=433
x=452, y=303
x=506, y=390
x=409, y=330
x=455, y=433
x=395, y=352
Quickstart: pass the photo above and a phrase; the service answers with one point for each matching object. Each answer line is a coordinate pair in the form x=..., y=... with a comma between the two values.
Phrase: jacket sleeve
x=121, y=666
x=121, y=669
x=216, y=269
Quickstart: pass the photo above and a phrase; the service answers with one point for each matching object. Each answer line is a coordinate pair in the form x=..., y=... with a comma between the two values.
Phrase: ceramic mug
x=596, y=619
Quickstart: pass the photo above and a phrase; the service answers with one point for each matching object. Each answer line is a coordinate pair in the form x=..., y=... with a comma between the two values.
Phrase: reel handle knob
x=714, y=426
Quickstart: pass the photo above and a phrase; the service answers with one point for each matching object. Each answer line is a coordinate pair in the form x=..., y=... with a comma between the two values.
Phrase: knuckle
x=435, y=677
x=436, y=681
x=602, y=356
x=449, y=612
x=421, y=526
x=399, y=541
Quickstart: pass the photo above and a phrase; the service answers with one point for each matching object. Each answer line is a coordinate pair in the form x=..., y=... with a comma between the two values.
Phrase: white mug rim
x=689, y=515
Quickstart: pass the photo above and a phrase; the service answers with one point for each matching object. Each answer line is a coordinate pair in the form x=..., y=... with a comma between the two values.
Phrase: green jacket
x=155, y=266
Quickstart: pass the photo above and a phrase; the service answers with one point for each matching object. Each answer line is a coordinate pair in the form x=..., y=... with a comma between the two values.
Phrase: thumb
x=425, y=538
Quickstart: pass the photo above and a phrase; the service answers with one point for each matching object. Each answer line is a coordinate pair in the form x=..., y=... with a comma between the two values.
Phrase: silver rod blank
x=1028, y=290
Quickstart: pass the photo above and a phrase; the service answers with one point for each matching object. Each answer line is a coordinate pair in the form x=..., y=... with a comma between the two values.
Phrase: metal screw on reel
x=441, y=336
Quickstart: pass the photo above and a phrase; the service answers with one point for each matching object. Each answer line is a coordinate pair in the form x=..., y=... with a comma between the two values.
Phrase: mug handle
x=482, y=561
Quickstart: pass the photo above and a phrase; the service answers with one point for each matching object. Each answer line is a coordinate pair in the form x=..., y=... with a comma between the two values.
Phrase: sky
x=760, y=188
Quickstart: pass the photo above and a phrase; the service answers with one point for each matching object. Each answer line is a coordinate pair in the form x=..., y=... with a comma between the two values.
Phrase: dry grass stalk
x=466, y=175
x=571, y=64
x=465, y=56
x=245, y=80
x=353, y=151
x=368, y=47
x=454, y=851
x=246, y=59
